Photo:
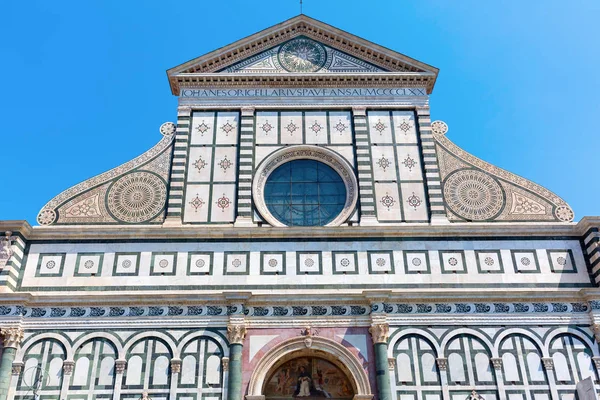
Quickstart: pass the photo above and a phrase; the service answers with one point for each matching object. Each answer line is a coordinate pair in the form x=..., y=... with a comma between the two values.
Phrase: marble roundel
x=473, y=195
x=302, y=55
x=137, y=197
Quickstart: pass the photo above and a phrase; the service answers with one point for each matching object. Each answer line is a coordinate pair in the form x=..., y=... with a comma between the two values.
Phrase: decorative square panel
x=409, y=163
x=345, y=262
x=200, y=164
x=340, y=127
x=202, y=130
x=453, y=262
x=199, y=263
x=387, y=202
x=163, y=263
x=525, y=261
x=196, y=206
x=50, y=264
x=379, y=126
x=380, y=262
x=405, y=130
x=316, y=127
x=561, y=261
x=308, y=263
x=291, y=128
x=384, y=163
x=227, y=128
x=272, y=263
x=489, y=261
x=416, y=262
x=225, y=164
x=223, y=203
x=267, y=127
x=89, y=264
x=126, y=264
x=236, y=263
x=413, y=202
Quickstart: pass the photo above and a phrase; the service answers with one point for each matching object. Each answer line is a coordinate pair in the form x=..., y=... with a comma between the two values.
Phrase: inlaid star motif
x=197, y=203
x=316, y=128
x=404, y=126
x=291, y=127
x=340, y=127
x=202, y=128
x=227, y=128
x=379, y=126
x=267, y=127
x=409, y=163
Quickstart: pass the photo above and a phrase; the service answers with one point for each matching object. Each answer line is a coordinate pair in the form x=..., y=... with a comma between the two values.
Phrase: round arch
x=318, y=347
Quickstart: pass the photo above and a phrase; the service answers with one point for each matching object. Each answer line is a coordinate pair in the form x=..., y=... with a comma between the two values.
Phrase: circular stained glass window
x=305, y=193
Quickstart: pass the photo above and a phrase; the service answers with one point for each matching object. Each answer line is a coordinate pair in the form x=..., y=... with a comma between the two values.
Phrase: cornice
x=470, y=230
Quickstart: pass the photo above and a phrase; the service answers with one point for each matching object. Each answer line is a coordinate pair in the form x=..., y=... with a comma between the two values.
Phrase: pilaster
x=245, y=168
x=380, y=333
x=236, y=333
x=364, y=166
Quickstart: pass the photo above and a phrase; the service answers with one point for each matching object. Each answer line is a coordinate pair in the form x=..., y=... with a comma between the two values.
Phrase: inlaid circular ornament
x=302, y=55
x=563, y=213
x=473, y=195
x=46, y=217
x=137, y=197
x=439, y=127
x=167, y=129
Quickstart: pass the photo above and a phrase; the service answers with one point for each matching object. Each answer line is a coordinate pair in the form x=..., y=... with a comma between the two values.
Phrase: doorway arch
x=316, y=347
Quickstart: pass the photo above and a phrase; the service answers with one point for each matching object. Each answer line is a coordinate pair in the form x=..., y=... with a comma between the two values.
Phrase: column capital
x=248, y=111
x=175, y=365
x=442, y=363
x=380, y=332
x=120, y=366
x=359, y=111
x=12, y=336
x=236, y=333
x=68, y=367
x=548, y=363
x=496, y=362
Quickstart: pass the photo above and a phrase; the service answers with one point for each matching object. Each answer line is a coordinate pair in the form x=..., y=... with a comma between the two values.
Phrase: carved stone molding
x=16, y=368
x=68, y=367
x=380, y=333
x=359, y=111
x=6, y=250
x=236, y=333
x=442, y=363
x=496, y=362
x=391, y=363
x=175, y=365
x=120, y=366
x=12, y=336
x=247, y=111
x=548, y=363
x=225, y=363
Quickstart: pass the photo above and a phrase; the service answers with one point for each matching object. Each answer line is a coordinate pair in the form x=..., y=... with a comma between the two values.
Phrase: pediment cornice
x=202, y=70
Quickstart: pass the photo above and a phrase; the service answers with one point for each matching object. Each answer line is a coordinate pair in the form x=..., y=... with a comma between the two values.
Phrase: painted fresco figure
x=303, y=384
x=319, y=385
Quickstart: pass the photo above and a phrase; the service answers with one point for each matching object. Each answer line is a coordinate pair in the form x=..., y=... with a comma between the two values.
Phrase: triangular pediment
x=301, y=46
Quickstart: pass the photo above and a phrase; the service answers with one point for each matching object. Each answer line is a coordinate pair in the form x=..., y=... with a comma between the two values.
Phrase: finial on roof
x=301, y=7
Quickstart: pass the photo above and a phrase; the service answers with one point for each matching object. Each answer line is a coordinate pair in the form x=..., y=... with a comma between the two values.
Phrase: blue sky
x=84, y=87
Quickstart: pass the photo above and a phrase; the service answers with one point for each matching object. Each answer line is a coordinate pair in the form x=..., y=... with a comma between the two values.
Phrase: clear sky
x=84, y=87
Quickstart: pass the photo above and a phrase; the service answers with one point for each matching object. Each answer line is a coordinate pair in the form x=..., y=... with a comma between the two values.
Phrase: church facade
x=302, y=230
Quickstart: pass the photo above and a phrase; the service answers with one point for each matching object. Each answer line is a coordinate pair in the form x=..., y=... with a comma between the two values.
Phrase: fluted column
x=12, y=340
x=380, y=332
x=236, y=333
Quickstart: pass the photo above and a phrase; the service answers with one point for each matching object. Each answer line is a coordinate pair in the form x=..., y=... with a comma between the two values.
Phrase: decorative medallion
x=384, y=163
x=88, y=264
x=414, y=200
x=126, y=264
x=163, y=263
x=489, y=261
x=563, y=213
x=50, y=264
x=439, y=127
x=136, y=197
x=46, y=217
x=199, y=163
x=316, y=128
x=167, y=129
x=267, y=127
x=416, y=262
x=272, y=263
x=405, y=126
x=380, y=262
x=227, y=128
x=309, y=262
x=388, y=201
x=525, y=261
x=202, y=128
x=225, y=164
x=453, y=261
x=345, y=262
x=340, y=127
x=200, y=263
x=409, y=163
x=379, y=126
x=291, y=127
x=302, y=55
x=197, y=203
x=473, y=195
x=561, y=261
x=236, y=263
x=223, y=202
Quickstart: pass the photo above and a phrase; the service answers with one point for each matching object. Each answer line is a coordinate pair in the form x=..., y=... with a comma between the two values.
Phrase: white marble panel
x=126, y=263
x=196, y=203
x=416, y=262
x=225, y=165
x=292, y=128
x=50, y=265
x=384, y=163
x=203, y=124
x=387, y=202
x=409, y=163
x=380, y=262
x=89, y=264
x=223, y=203
x=309, y=262
x=199, y=263
x=200, y=164
x=316, y=127
x=260, y=152
x=345, y=151
x=489, y=261
x=163, y=264
x=340, y=127
x=525, y=261
x=267, y=127
x=404, y=126
x=227, y=128
x=380, y=127
x=452, y=262
x=413, y=202
x=272, y=262
x=344, y=262
x=236, y=263
x=561, y=261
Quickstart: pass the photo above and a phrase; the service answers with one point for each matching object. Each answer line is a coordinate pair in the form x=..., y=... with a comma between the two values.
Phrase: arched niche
x=317, y=348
